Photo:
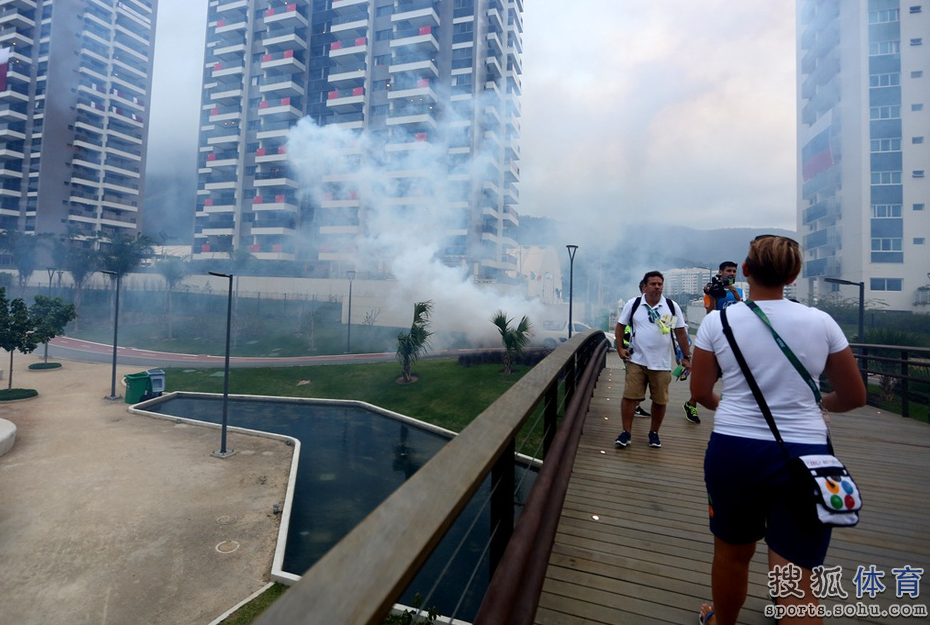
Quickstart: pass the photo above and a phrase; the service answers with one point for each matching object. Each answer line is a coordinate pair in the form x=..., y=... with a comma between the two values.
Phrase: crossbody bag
x=822, y=479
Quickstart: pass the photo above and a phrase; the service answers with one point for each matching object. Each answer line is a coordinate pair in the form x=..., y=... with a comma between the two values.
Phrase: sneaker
x=654, y=439
x=639, y=412
x=691, y=413
x=624, y=439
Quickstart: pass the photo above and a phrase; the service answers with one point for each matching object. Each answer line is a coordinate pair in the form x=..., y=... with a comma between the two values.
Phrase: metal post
x=863, y=364
x=113, y=394
x=223, y=453
x=571, y=286
x=351, y=275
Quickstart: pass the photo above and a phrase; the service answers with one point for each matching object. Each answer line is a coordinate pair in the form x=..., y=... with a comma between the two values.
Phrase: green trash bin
x=137, y=385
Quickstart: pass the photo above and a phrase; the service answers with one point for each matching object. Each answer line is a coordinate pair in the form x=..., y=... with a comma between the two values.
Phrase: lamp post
x=351, y=275
x=861, y=337
x=223, y=453
x=113, y=394
x=571, y=286
x=861, y=285
x=51, y=272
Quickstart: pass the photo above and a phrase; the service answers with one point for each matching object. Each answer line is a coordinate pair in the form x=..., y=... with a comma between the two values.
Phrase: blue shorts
x=749, y=498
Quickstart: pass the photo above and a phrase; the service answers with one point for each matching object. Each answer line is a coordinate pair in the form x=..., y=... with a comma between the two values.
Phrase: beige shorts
x=637, y=376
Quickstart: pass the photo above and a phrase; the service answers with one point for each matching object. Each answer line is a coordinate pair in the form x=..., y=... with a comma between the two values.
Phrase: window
x=918, y=240
x=880, y=48
x=886, y=177
x=883, y=17
x=887, y=244
x=889, y=111
x=916, y=140
x=917, y=107
x=382, y=59
x=885, y=80
x=385, y=10
x=918, y=73
x=885, y=284
x=918, y=173
x=917, y=41
x=886, y=145
x=918, y=207
x=383, y=35
x=886, y=211
x=915, y=8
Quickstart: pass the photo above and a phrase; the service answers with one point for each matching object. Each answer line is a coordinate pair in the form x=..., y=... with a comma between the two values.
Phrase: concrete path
x=107, y=517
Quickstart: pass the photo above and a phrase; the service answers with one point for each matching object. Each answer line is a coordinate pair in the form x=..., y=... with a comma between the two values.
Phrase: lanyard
x=787, y=350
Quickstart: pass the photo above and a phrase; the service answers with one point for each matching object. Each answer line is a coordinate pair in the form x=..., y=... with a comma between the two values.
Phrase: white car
x=551, y=334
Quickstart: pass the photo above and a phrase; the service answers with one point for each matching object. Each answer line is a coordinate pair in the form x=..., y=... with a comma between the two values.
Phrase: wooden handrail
x=359, y=579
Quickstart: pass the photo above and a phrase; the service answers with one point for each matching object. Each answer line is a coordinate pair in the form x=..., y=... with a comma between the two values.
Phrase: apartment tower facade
x=74, y=115
x=436, y=77
x=864, y=149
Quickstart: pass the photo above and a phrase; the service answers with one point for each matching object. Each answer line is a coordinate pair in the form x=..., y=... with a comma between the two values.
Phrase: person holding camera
x=721, y=291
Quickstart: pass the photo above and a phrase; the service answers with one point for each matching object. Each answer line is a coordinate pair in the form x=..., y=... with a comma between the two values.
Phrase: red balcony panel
x=288, y=54
x=423, y=82
x=217, y=67
x=425, y=30
x=332, y=95
x=208, y=201
x=282, y=149
x=256, y=248
x=276, y=248
x=211, y=156
x=260, y=152
x=353, y=195
x=358, y=91
x=220, y=23
x=263, y=104
x=257, y=200
x=360, y=41
x=269, y=12
x=420, y=136
x=205, y=247
x=291, y=7
x=266, y=58
x=336, y=45
x=279, y=199
x=285, y=101
x=215, y=110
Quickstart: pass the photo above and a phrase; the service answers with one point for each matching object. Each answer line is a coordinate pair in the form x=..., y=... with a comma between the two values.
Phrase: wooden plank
x=646, y=556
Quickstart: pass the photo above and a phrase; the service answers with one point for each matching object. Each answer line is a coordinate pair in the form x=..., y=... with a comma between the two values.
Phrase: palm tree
x=514, y=339
x=410, y=345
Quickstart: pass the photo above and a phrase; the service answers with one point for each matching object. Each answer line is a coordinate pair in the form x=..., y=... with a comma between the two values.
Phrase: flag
x=4, y=63
x=816, y=156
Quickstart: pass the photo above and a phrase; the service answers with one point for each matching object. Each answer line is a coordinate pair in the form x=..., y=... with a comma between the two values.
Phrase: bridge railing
x=902, y=372
x=360, y=578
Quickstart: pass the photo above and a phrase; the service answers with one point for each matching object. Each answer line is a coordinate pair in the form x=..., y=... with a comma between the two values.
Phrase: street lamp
x=113, y=394
x=51, y=272
x=861, y=337
x=861, y=285
x=571, y=278
x=351, y=275
x=222, y=453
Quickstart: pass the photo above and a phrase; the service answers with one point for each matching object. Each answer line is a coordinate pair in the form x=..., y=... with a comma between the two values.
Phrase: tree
x=410, y=345
x=24, y=251
x=49, y=318
x=124, y=253
x=16, y=328
x=173, y=270
x=514, y=339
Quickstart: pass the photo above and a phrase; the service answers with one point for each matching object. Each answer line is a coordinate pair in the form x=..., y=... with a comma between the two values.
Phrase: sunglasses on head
x=775, y=236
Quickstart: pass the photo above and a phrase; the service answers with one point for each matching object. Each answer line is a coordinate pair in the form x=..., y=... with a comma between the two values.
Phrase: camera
x=719, y=286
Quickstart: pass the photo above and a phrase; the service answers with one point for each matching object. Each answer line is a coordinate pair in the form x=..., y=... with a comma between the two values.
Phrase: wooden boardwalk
x=633, y=544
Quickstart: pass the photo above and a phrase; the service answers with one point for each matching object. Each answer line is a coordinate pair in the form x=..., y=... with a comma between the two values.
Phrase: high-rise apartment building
x=74, y=115
x=864, y=148
x=431, y=89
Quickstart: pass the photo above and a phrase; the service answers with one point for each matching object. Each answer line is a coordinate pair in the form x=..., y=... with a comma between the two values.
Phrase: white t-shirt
x=810, y=333
x=651, y=347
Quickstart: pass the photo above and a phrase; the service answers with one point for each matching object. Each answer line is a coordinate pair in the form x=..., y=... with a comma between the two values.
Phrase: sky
x=660, y=111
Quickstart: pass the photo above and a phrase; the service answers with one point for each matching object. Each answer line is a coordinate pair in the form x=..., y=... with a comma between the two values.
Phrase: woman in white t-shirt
x=745, y=469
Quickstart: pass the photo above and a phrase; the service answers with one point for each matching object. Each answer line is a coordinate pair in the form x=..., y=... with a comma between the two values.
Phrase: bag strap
x=753, y=385
x=805, y=374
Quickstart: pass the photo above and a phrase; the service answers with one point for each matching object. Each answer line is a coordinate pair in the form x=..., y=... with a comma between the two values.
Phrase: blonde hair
x=773, y=260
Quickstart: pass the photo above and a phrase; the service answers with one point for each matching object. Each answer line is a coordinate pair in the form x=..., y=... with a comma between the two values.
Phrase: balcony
x=349, y=76
x=281, y=39
x=350, y=24
x=348, y=7
x=225, y=113
x=282, y=106
x=230, y=51
x=278, y=202
x=347, y=52
x=417, y=15
x=282, y=86
x=346, y=100
x=282, y=63
x=226, y=72
x=287, y=15
x=421, y=38
x=421, y=91
x=271, y=155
